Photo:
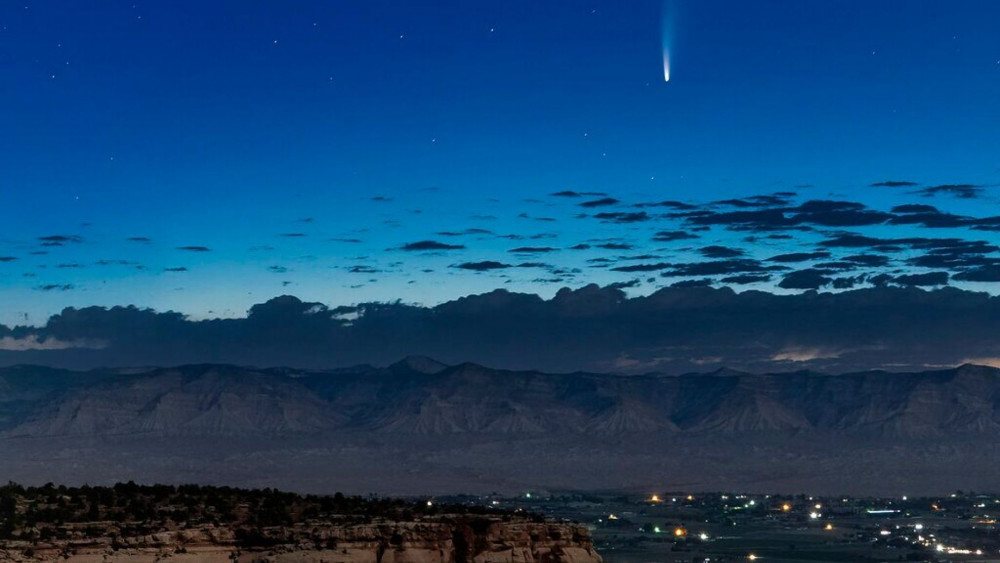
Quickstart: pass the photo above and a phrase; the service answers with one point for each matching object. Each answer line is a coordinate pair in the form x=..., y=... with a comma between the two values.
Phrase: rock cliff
x=444, y=539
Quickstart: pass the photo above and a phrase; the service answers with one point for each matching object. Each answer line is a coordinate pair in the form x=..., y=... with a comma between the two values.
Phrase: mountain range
x=422, y=426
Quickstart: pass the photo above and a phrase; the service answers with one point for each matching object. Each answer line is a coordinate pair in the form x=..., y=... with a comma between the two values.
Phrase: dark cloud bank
x=674, y=330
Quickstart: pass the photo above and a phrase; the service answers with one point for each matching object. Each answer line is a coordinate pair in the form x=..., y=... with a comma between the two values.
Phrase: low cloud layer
x=676, y=329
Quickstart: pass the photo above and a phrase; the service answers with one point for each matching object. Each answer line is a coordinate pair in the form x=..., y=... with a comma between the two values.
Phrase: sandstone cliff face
x=441, y=540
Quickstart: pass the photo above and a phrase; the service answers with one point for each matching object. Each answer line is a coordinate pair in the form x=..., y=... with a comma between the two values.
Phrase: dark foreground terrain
x=128, y=522
x=419, y=426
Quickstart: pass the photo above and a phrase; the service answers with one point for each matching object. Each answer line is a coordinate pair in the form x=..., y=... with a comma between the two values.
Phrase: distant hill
x=418, y=411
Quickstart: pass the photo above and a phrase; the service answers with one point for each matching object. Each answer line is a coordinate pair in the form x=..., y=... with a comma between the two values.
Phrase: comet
x=666, y=27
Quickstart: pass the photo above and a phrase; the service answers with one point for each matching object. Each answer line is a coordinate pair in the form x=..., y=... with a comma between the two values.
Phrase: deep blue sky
x=227, y=125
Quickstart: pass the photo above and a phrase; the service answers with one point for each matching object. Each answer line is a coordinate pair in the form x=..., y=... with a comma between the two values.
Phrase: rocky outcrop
x=459, y=539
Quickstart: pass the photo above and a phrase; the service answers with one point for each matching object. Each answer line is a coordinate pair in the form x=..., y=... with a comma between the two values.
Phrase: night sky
x=205, y=157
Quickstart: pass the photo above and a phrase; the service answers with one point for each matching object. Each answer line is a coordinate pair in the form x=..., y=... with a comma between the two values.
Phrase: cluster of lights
x=815, y=514
x=941, y=548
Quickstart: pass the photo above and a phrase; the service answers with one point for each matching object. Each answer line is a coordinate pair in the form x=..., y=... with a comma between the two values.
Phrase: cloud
x=643, y=267
x=469, y=231
x=577, y=329
x=8, y=258
x=847, y=282
x=532, y=249
x=773, y=200
x=799, y=257
x=932, y=219
x=915, y=208
x=36, y=342
x=195, y=248
x=893, y=184
x=482, y=266
x=837, y=214
x=744, y=279
x=59, y=240
x=870, y=260
x=985, y=273
x=720, y=252
x=704, y=282
x=672, y=204
x=961, y=191
x=772, y=213
x=55, y=287
x=570, y=193
x=605, y=201
x=670, y=236
x=800, y=354
x=810, y=278
x=614, y=246
x=144, y=240
x=430, y=245
x=923, y=280
x=623, y=217
x=719, y=267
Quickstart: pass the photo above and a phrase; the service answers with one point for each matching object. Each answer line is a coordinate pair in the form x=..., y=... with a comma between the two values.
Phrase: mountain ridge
x=420, y=395
x=419, y=426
